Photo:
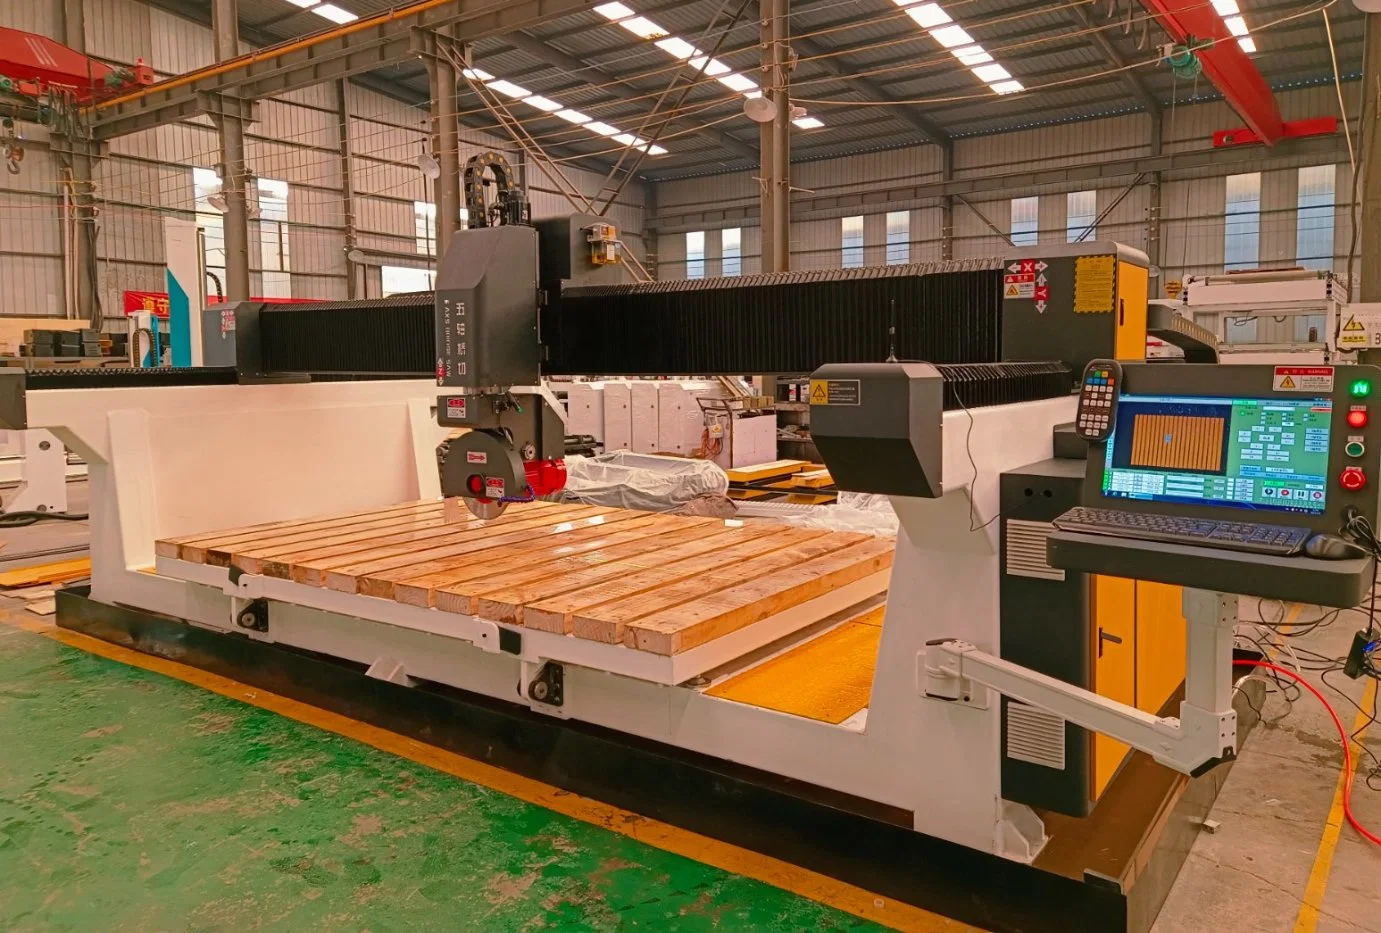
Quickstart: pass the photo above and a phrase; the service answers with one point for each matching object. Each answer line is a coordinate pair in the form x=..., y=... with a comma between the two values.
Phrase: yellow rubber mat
x=826, y=679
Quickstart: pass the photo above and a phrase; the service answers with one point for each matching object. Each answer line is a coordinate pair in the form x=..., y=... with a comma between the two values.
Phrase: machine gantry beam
x=369, y=43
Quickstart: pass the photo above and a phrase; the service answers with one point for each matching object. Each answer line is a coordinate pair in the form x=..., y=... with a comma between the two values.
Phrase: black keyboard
x=1236, y=536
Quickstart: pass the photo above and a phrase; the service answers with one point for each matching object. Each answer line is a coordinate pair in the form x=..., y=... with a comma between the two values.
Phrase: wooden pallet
x=659, y=583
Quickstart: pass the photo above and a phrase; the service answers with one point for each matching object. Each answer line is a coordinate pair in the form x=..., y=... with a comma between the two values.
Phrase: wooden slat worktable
x=658, y=583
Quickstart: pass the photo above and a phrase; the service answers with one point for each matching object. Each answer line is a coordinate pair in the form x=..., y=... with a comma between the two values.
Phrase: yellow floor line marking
x=721, y=855
x=1314, y=889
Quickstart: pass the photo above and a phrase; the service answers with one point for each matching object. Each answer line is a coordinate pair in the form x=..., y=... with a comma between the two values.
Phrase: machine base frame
x=854, y=840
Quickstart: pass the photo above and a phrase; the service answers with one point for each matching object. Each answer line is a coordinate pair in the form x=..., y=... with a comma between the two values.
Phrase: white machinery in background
x=1272, y=316
x=37, y=463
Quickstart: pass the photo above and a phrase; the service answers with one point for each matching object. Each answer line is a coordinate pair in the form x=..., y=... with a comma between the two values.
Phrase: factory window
x=695, y=254
x=731, y=250
x=273, y=239
x=424, y=220
x=1314, y=217
x=851, y=243
x=1242, y=222
x=898, y=237
x=398, y=280
x=1239, y=330
x=206, y=187
x=1025, y=225
x=1081, y=216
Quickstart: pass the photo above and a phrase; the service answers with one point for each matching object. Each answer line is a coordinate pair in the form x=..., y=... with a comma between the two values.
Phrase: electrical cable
x=1342, y=738
x=24, y=519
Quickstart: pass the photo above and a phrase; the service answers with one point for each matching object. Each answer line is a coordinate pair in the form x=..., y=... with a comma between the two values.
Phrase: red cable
x=1342, y=735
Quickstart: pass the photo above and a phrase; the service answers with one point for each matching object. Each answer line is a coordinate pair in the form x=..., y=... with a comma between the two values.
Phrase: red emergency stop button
x=1357, y=417
x=1352, y=478
x=475, y=484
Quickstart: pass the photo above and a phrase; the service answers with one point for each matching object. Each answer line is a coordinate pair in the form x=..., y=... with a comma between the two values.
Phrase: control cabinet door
x=1114, y=664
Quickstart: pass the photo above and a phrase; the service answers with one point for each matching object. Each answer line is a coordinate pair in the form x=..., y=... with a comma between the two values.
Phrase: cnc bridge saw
x=943, y=720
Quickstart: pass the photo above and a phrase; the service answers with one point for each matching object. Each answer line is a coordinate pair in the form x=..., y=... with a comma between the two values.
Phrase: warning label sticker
x=476, y=456
x=455, y=408
x=493, y=487
x=1303, y=379
x=1353, y=325
x=834, y=392
x=1019, y=285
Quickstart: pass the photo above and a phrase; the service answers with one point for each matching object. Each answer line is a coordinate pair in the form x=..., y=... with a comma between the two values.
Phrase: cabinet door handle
x=1106, y=637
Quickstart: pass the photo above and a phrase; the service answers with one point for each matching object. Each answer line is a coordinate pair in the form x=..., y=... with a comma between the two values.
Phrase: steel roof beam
x=910, y=115
x=1115, y=59
x=338, y=55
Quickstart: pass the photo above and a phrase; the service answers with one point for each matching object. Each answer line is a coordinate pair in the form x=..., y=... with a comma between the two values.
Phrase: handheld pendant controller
x=1098, y=393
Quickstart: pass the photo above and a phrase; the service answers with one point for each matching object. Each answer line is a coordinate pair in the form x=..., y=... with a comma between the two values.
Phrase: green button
x=1360, y=388
x=1354, y=449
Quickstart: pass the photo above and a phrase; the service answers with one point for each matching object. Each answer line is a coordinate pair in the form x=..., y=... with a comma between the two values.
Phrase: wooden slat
x=275, y=558
x=606, y=621
x=416, y=585
x=761, y=471
x=513, y=558
x=47, y=573
x=168, y=547
x=199, y=551
x=220, y=555
x=806, y=479
x=557, y=613
x=343, y=574
x=682, y=627
x=503, y=600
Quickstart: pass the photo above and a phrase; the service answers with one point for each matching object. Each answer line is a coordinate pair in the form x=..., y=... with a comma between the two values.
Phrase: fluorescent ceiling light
x=714, y=69
x=928, y=15
x=543, y=103
x=1237, y=25
x=971, y=55
x=628, y=139
x=739, y=83
x=334, y=13
x=753, y=95
x=656, y=150
x=613, y=10
x=991, y=73
x=573, y=116
x=477, y=74
x=643, y=28
x=509, y=88
x=809, y=123
x=951, y=36
x=304, y=3
x=1007, y=87
x=1247, y=45
x=1225, y=7
x=677, y=47
x=603, y=129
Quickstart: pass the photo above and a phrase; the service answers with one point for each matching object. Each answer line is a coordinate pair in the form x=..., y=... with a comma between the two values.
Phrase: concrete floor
x=132, y=801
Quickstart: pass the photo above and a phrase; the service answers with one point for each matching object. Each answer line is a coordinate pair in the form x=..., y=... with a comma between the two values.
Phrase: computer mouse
x=1332, y=547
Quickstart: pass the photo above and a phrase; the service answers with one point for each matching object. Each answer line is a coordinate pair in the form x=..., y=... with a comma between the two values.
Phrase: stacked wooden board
x=800, y=481
x=658, y=583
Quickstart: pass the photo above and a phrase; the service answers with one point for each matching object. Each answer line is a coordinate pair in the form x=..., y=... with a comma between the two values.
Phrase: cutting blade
x=485, y=509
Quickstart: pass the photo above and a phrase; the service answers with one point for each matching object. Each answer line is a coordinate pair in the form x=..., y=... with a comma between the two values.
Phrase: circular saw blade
x=485, y=509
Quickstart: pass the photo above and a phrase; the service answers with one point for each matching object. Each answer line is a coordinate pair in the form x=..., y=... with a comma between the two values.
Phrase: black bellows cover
x=977, y=385
x=791, y=322
x=385, y=336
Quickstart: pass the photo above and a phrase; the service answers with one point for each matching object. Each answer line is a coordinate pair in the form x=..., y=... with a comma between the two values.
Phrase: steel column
x=947, y=203
x=445, y=147
x=347, y=187
x=775, y=139
x=1369, y=264
x=77, y=158
x=225, y=35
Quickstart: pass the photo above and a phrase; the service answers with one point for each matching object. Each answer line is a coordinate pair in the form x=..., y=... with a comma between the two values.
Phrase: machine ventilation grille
x=1026, y=550
x=1035, y=736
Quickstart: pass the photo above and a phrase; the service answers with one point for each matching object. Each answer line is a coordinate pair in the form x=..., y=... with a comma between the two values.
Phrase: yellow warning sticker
x=835, y=392
x=1287, y=382
x=1095, y=284
x=1353, y=324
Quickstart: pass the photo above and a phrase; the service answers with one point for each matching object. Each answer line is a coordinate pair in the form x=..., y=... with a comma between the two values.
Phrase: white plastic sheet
x=642, y=481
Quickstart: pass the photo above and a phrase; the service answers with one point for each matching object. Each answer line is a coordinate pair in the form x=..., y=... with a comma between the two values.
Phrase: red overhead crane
x=32, y=66
x=1232, y=72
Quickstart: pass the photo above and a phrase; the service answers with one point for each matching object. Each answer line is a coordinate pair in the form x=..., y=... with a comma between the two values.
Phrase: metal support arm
x=1204, y=734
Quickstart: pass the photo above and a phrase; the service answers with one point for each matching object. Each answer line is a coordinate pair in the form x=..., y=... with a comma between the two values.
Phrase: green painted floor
x=131, y=801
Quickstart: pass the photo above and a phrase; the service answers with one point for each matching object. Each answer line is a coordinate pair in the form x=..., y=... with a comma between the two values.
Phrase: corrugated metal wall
x=1192, y=202
x=296, y=138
